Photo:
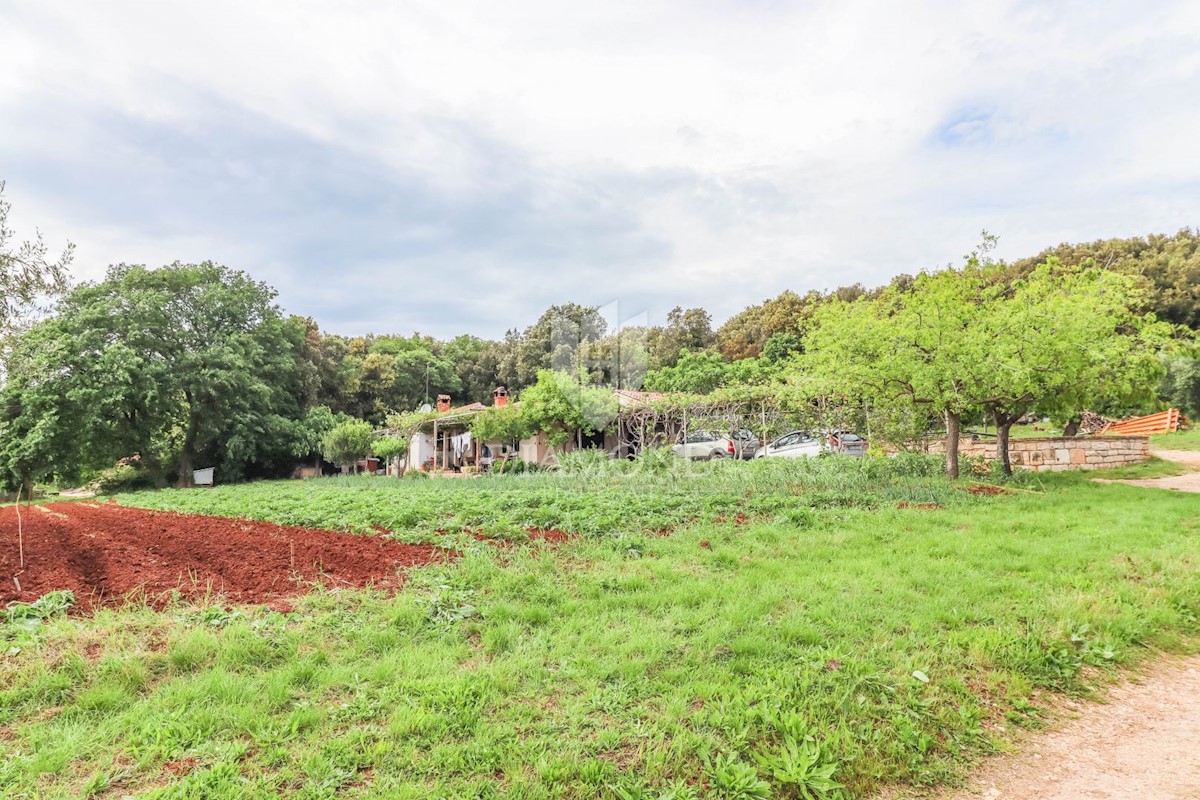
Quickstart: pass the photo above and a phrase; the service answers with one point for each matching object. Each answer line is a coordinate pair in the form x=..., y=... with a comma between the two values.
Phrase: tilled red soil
x=104, y=553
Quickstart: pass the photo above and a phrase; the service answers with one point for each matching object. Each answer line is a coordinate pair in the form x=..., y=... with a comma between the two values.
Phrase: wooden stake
x=21, y=528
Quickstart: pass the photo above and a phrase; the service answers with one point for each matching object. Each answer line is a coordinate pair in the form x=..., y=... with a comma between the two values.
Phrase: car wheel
x=716, y=454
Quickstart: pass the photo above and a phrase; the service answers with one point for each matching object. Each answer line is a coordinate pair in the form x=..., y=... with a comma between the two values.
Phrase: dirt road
x=1188, y=482
x=1143, y=742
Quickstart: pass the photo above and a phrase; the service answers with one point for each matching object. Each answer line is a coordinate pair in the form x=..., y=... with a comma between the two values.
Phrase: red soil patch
x=983, y=488
x=104, y=553
x=552, y=535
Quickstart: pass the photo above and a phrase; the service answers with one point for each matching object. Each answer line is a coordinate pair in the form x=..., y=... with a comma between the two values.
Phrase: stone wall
x=1058, y=453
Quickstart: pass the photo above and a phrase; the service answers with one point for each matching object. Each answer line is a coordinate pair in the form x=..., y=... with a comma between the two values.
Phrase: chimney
x=500, y=397
x=443, y=403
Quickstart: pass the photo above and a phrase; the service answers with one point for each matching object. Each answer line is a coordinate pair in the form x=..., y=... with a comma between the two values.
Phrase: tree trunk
x=952, y=428
x=185, y=467
x=1003, y=426
x=1004, y=423
x=189, y=446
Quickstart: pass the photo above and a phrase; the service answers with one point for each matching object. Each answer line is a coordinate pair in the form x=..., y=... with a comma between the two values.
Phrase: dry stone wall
x=1058, y=453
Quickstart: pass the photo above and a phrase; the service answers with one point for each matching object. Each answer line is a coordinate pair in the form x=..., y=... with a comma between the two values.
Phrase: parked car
x=797, y=444
x=846, y=443
x=806, y=444
x=745, y=442
x=705, y=445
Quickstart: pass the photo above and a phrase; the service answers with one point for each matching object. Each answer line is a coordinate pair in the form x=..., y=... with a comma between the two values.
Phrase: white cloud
x=707, y=154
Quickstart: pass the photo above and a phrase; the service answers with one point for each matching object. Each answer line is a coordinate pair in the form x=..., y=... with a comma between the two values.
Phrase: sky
x=458, y=167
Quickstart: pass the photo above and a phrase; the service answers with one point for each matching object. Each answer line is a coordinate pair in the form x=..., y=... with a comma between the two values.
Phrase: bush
x=117, y=478
x=916, y=465
x=509, y=466
x=580, y=461
x=656, y=459
x=415, y=475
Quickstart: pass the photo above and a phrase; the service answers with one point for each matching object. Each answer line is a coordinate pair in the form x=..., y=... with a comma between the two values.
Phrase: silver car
x=806, y=444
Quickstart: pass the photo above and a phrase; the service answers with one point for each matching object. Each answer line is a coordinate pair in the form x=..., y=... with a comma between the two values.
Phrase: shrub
x=348, y=442
x=916, y=465
x=581, y=461
x=510, y=466
x=118, y=477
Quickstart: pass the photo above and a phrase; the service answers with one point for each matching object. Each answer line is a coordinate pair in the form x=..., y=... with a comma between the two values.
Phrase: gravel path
x=1143, y=742
x=1188, y=482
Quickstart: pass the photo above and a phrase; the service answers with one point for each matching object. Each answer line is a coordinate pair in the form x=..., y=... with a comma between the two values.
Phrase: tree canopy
x=955, y=341
x=187, y=364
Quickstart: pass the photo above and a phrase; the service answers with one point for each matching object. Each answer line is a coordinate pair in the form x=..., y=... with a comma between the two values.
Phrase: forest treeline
x=370, y=375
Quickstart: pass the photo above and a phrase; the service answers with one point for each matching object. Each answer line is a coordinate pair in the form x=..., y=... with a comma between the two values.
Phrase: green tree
x=1166, y=266
x=1060, y=339
x=745, y=335
x=704, y=372
x=905, y=347
x=559, y=405
x=504, y=424
x=1181, y=384
x=177, y=364
x=689, y=330
x=27, y=276
x=345, y=444
x=26, y=273
x=556, y=341
x=390, y=449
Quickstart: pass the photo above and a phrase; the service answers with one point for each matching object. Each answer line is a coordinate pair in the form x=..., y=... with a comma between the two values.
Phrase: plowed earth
x=105, y=553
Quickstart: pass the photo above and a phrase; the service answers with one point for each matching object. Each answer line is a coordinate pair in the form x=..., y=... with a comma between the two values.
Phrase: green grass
x=1151, y=468
x=1179, y=440
x=876, y=644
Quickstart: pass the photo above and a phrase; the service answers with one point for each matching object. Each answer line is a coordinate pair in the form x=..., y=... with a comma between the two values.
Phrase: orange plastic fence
x=1162, y=422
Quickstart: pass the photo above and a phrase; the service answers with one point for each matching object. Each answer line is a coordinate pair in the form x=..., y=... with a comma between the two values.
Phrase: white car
x=705, y=445
x=806, y=444
x=797, y=444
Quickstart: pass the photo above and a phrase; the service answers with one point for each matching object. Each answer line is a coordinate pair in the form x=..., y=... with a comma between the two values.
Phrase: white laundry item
x=460, y=443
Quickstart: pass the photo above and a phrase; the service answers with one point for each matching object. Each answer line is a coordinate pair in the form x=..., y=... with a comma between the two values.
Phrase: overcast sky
x=457, y=167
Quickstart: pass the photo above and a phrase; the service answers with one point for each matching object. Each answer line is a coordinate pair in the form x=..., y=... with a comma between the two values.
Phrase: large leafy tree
x=559, y=340
x=28, y=277
x=347, y=442
x=1058, y=340
x=905, y=347
x=559, y=405
x=686, y=330
x=188, y=364
x=746, y=334
x=961, y=340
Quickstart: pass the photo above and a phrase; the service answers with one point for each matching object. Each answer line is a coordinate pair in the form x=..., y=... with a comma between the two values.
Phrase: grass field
x=826, y=637
x=1180, y=440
